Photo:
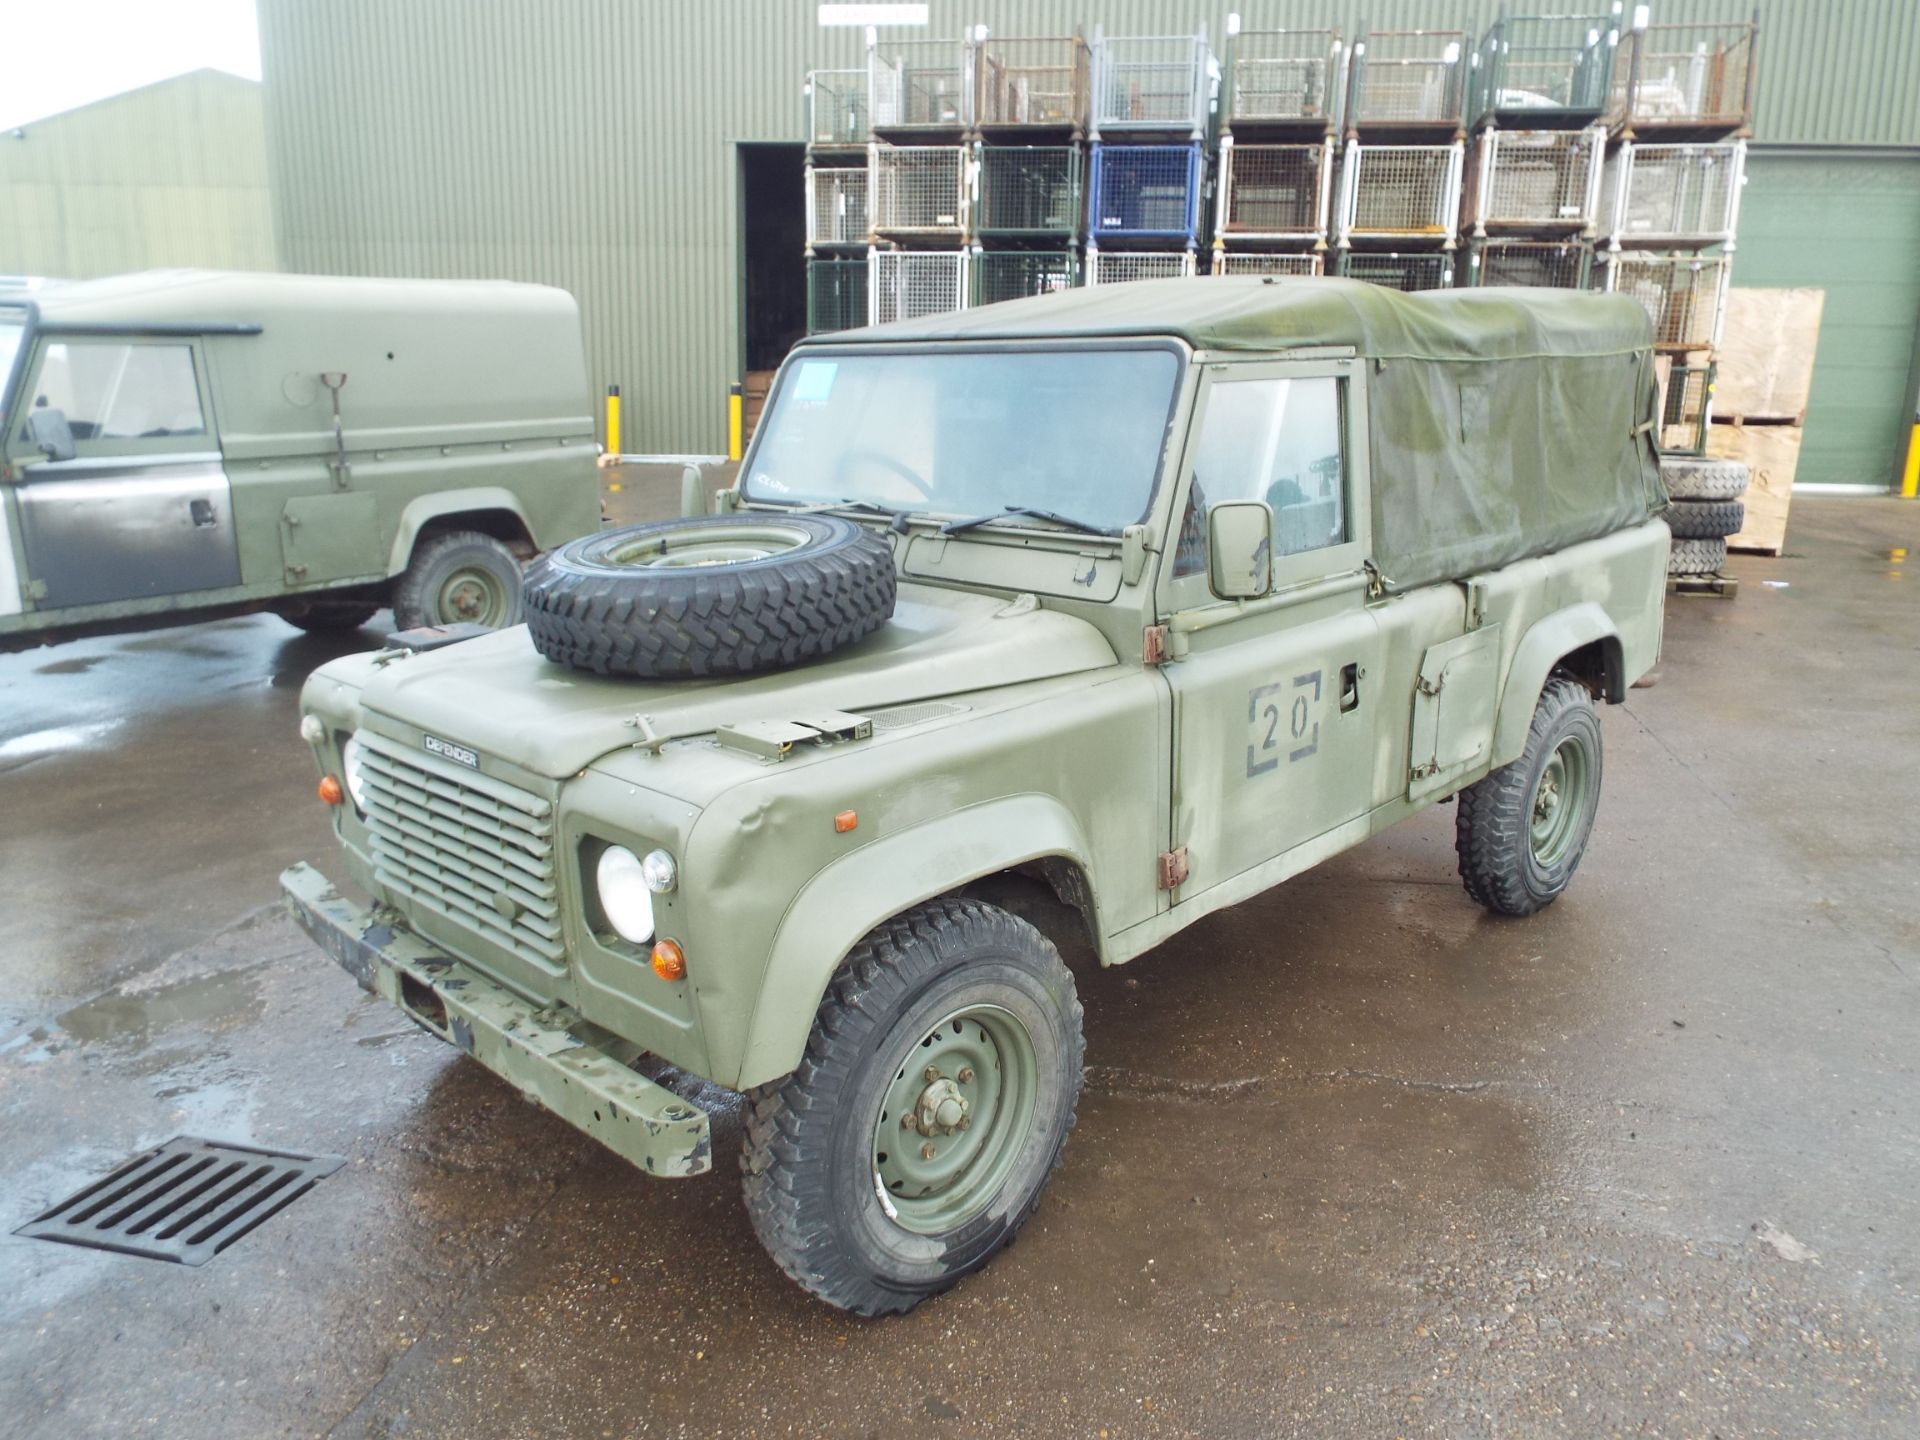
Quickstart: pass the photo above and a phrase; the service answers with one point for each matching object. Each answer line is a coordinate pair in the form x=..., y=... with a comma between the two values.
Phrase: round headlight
x=624, y=896
x=353, y=765
x=658, y=869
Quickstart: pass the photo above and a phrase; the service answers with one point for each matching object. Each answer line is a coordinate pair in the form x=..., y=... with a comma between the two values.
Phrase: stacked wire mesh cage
x=921, y=96
x=1538, y=90
x=1149, y=111
x=1679, y=109
x=837, y=216
x=1398, y=214
x=1029, y=182
x=1274, y=179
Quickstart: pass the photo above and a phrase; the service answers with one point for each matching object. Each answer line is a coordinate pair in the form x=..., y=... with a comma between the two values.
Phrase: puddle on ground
x=120, y=1016
x=78, y=665
x=37, y=743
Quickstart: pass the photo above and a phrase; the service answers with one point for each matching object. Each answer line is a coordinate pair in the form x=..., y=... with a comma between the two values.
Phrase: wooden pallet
x=1723, y=587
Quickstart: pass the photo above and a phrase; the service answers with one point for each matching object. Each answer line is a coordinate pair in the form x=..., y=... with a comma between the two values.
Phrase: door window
x=120, y=391
x=1278, y=440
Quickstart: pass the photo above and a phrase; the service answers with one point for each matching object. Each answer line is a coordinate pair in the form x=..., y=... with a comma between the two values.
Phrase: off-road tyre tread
x=412, y=592
x=1697, y=557
x=788, y=1199
x=1690, y=477
x=1705, y=519
x=723, y=620
x=1491, y=829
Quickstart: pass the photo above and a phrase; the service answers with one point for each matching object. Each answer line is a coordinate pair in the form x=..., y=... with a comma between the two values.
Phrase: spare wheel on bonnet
x=720, y=595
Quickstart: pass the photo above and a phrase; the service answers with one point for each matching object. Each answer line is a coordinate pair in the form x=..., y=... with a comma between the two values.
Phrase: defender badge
x=447, y=750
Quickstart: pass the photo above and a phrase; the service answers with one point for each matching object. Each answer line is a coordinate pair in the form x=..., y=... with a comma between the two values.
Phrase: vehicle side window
x=1277, y=440
x=121, y=392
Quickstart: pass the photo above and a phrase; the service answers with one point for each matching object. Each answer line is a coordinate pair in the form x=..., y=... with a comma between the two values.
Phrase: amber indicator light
x=330, y=791
x=669, y=960
x=845, y=821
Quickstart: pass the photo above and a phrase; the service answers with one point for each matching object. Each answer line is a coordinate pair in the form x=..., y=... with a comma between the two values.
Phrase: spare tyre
x=720, y=595
x=1705, y=519
x=1696, y=477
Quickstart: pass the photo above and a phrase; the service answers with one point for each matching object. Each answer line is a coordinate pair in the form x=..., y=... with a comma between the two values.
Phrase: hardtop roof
x=1254, y=312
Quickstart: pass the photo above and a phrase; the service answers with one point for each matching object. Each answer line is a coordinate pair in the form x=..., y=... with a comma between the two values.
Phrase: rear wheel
x=1521, y=831
x=462, y=577
x=932, y=1105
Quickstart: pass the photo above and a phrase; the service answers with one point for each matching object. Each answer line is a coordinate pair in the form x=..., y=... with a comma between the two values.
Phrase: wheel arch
x=490, y=509
x=1032, y=836
x=1582, y=640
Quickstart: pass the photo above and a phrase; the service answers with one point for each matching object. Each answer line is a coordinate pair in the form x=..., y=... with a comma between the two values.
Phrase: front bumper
x=580, y=1072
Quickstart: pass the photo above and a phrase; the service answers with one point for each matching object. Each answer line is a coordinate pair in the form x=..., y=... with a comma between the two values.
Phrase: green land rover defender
x=183, y=444
x=1151, y=595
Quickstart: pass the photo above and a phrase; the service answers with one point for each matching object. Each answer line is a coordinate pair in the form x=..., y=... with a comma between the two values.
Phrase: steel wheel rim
x=1559, y=800
x=708, y=545
x=472, y=596
x=969, y=1164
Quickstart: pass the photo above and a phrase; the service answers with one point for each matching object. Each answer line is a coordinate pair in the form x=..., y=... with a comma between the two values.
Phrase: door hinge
x=1173, y=869
x=1153, y=648
x=1426, y=768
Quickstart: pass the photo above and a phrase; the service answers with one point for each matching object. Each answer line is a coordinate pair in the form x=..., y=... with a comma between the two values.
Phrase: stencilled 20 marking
x=1283, y=716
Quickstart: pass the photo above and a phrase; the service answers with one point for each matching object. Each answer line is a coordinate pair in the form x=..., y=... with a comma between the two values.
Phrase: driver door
x=1274, y=700
x=142, y=509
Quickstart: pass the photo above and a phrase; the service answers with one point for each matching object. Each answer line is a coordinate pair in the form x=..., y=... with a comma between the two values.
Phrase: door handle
x=1349, y=688
x=202, y=513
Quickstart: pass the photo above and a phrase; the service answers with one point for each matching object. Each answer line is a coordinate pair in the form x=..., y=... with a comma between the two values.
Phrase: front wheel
x=460, y=577
x=931, y=1107
x=1520, y=831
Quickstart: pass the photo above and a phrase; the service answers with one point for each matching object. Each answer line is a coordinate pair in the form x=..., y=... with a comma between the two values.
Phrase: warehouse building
x=648, y=158
x=173, y=173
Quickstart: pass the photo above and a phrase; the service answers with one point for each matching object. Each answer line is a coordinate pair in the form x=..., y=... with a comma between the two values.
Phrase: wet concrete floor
x=1354, y=1158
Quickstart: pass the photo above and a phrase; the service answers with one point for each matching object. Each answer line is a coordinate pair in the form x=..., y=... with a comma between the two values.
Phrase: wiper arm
x=869, y=507
x=954, y=527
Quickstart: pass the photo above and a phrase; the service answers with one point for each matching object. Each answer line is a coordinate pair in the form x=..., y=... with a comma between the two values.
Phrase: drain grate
x=185, y=1201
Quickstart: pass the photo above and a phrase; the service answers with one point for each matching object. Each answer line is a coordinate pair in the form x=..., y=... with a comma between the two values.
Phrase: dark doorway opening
x=773, y=237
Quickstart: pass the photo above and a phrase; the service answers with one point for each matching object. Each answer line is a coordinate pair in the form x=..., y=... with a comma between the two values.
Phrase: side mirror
x=693, y=492
x=1240, y=549
x=49, y=433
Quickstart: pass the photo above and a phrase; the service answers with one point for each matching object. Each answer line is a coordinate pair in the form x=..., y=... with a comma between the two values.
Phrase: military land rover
x=184, y=444
x=1152, y=595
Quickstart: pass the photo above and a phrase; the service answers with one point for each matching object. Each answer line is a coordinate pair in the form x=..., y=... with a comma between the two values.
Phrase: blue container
x=1145, y=192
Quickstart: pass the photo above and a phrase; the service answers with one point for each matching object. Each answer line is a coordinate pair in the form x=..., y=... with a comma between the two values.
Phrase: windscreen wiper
x=954, y=527
x=869, y=507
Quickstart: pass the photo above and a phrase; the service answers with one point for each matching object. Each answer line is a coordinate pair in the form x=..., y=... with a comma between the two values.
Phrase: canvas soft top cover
x=1505, y=423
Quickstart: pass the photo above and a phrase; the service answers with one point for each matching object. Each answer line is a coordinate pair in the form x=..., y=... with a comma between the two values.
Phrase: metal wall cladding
x=590, y=145
x=170, y=174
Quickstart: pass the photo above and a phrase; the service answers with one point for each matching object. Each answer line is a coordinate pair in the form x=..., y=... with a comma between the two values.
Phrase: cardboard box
x=1766, y=354
x=1772, y=453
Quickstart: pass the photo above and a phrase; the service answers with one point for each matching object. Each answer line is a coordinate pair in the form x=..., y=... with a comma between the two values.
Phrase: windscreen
x=13, y=328
x=961, y=433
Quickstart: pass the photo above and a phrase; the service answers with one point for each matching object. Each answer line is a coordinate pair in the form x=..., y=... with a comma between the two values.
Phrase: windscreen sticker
x=814, y=383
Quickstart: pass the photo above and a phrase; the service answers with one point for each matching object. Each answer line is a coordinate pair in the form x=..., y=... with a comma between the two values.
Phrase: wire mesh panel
x=1686, y=409
x=1546, y=69
x=1275, y=191
x=1548, y=264
x=1534, y=179
x=1033, y=82
x=1285, y=76
x=1104, y=268
x=1015, y=274
x=1262, y=262
x=1145, y=192
x=1402, y=190
x=1662, y=194
x=837, y=205
x=1400, y=272
x=1151, y=82
x=918, y=189
x=1686, y=76
x=1682, y=294
x=1028, y=190
x=836, y=295
x=1408, y=77
x=836, y=108
x=906, y=283
x=920, y=84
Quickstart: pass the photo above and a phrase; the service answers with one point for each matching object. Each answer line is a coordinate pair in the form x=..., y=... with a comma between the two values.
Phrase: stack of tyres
x=1707, y=508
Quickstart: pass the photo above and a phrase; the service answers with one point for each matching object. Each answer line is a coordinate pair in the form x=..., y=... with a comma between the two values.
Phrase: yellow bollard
x=735, y=416
x=1910, y=482
x=613, y=419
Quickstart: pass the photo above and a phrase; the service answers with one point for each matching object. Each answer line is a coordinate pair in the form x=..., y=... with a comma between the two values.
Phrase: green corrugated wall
x=170, y=174
x=590, y=144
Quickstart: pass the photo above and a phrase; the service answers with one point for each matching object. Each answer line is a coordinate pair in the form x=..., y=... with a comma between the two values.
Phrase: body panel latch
x=773, y=739
x=1173, y=869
